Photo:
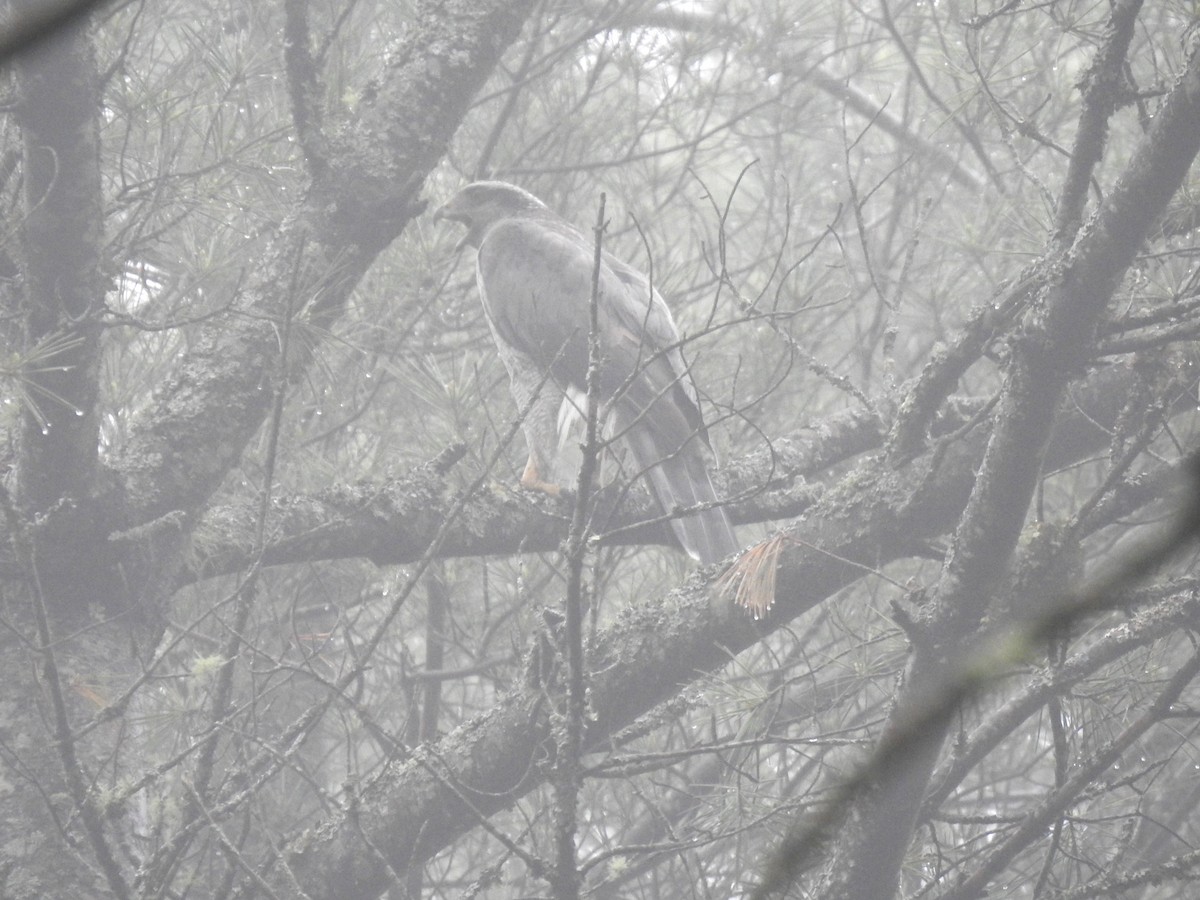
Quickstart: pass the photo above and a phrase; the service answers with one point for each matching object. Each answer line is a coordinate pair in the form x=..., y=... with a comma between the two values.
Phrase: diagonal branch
x=662, y=644
x=1054, y=346
x=201, y=419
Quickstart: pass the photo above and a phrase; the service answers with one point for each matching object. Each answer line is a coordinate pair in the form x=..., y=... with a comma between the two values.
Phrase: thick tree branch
x=1055, y=342
x=203, y=417
x=1102, y=93
x=421, y=805
x=40, y=22
x=61, y=241
x=392, y=523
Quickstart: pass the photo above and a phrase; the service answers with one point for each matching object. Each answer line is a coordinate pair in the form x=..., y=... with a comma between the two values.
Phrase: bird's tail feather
x=678, y=480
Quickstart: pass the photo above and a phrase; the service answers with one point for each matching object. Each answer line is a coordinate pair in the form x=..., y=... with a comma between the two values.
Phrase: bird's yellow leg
x=531, y=479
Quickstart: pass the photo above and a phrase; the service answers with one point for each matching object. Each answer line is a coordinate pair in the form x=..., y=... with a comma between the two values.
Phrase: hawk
x=534, y=270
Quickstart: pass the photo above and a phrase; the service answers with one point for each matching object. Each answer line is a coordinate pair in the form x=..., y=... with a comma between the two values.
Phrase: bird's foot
x=531, y=480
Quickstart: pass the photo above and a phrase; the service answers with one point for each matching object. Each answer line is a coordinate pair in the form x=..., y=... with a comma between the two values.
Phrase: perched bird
x=534, y=270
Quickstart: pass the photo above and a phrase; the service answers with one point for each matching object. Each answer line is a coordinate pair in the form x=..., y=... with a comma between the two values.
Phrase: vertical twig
x=566, y=876
x=435, y=650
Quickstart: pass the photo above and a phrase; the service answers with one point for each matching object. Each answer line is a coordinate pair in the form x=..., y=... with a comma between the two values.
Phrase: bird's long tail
x=679, y=480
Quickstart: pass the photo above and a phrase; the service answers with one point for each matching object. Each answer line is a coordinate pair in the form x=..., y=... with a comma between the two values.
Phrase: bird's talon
x=531, y=480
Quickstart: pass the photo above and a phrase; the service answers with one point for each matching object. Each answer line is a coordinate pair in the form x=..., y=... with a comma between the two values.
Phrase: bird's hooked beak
x=447, y=213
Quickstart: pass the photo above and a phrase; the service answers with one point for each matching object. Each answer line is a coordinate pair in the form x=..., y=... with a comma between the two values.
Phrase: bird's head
x=482, y=204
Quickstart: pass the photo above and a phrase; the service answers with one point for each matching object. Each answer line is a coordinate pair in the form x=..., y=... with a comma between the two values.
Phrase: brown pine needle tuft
x=751, y=579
